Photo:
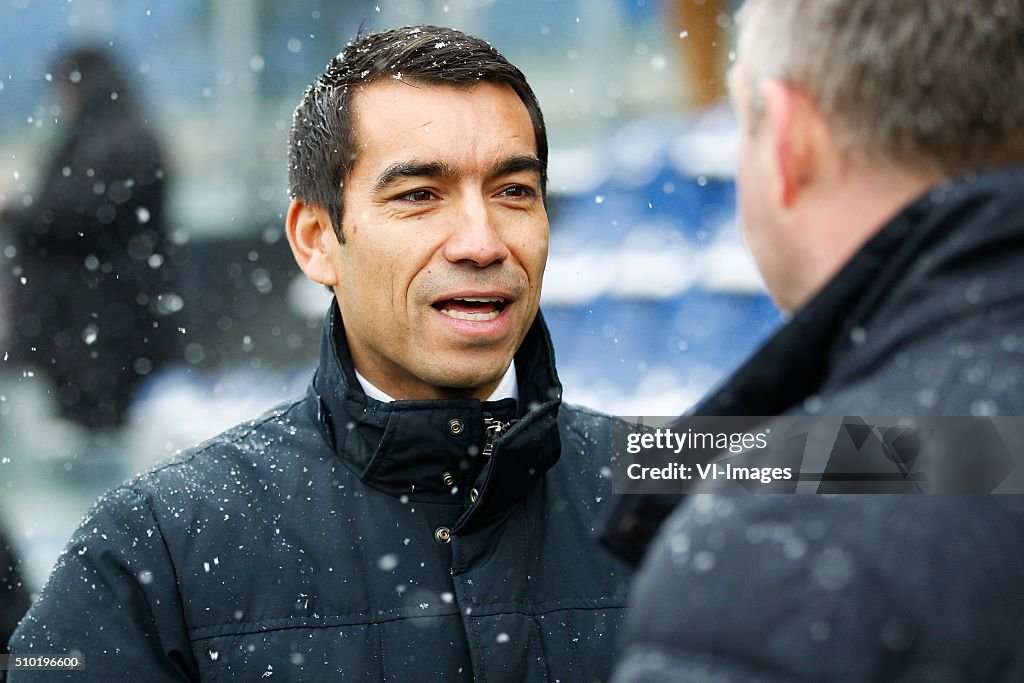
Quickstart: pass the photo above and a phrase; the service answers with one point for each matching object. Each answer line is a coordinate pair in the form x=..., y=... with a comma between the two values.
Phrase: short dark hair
x=322, y=145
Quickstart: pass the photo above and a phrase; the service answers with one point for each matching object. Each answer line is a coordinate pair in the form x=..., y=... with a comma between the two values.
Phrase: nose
x=474, y=238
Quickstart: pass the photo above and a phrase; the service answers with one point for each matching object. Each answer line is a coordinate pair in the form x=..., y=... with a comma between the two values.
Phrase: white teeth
x=476, y=317
x=487, y=300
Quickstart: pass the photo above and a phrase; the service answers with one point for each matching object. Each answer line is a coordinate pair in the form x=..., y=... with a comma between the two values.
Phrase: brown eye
x=417, y=196
x=517, y=191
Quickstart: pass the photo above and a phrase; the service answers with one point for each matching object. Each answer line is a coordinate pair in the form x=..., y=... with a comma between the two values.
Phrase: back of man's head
x=932, y=86
x=322, y=148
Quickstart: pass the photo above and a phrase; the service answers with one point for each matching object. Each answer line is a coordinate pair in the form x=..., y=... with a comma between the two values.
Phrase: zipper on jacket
x=492, y=430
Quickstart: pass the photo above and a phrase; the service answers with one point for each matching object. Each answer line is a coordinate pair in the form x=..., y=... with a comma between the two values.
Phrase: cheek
x=751, y=227
x=366, y=278
x=749, y=193
x=743, y=203
x=538, y=249
x=533, y=258
x=533, y=249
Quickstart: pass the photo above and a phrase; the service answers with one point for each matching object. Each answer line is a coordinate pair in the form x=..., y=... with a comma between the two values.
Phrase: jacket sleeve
x=113, y=600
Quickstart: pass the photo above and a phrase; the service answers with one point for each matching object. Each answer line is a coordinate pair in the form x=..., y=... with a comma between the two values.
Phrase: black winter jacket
x=341, y=538
x=927, y=319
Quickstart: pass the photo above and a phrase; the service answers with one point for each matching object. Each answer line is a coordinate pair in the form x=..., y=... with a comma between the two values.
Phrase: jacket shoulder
x=246, y=441
x=592, y=435
x=576, y=418
x=113, y=596
x=971, y=366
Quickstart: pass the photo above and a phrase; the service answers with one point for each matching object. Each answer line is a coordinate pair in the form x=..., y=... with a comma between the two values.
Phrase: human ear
x=311, y=236
x=795, y=125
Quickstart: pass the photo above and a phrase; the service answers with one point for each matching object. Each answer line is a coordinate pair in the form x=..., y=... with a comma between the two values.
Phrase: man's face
x=446, y=237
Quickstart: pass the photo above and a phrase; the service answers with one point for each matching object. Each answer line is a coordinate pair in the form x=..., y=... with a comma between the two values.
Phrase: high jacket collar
x=406, y=448
x=952, y=252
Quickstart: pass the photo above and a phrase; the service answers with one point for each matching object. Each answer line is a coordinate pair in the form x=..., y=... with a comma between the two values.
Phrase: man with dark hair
x=881, y=184
x=426, y=511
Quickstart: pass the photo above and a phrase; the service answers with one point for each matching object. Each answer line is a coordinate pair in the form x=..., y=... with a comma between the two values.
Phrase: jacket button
x=448, y=478
x=455, y=426
x=442, y=535
x=473, y=495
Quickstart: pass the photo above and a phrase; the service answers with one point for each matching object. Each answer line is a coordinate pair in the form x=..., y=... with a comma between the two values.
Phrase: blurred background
x=649, y=294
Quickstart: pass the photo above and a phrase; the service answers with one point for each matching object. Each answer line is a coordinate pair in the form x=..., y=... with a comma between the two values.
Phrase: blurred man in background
x=90, y=278
x=426, y=511
x=882, y=195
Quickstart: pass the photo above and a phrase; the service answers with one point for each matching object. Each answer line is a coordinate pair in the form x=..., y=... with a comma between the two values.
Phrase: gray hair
x=933, y=85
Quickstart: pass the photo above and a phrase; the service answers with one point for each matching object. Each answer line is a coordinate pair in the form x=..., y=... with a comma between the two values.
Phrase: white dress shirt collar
x=508, y=387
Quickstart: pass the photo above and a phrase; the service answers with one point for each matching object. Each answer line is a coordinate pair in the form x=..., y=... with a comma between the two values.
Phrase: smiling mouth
x=475, y=309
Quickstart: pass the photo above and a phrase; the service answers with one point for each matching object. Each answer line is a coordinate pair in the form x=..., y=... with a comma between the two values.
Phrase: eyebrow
x=439, y=169
x=518, y=164
x=413, y=169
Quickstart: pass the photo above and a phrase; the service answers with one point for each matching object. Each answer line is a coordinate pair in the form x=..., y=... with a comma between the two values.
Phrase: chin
x=463, y=376
x=466, y=382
